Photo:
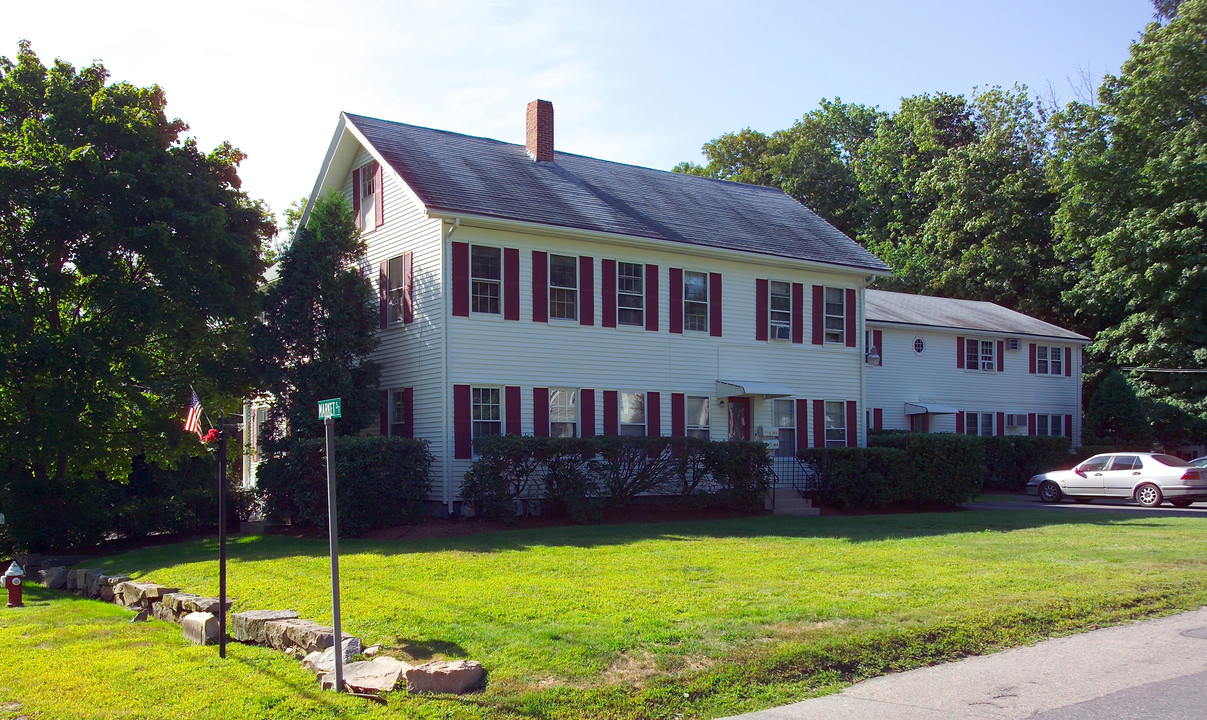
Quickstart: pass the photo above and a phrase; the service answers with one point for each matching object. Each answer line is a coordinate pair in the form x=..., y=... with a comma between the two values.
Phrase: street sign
x=329, y=409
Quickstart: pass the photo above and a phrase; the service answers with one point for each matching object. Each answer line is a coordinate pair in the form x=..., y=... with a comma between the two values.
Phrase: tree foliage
x=128, y=266
x=318, y=330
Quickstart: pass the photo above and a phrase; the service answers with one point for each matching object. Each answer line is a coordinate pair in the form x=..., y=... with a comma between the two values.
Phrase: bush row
x=576, y=475
x=1008, y=461
x=380, y=482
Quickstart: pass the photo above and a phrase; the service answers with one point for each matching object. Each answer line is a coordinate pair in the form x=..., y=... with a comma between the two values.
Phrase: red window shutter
x=408, y=409
x=714, y=304
x=1030, y=423
x=540, y=287
x=1031, y=361
x=511, y=410
x=1001, y=356
x=762, y=302
x=356, y=197
x=819, y=423
x=960, y=352
x=463, y=438
x=802, y=424
x=1068, y=426
x=651, y=298
x=586, y=291
x=461, y=279
x=540, y=412
x=408, y=288
x=852, y=422
x=878, y=342
x=678, y=415
x=676, y=291
x=877, y=418
x=385, y=412
x=960, y=422
x=383, y=293
x=607, y=295
x=819, y=307
x=1001, y=423
x=379, y=195
x=653, y=414
x=849, y=308
x=798, y=313
x=511, y=284
x=1068, y=362
x=586, y=411
x=611, y=412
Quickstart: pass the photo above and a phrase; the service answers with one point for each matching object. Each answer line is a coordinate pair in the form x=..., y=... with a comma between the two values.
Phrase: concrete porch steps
x=789, y=502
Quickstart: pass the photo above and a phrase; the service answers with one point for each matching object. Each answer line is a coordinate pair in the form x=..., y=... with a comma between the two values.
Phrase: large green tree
x=1132, y=170
x=128, y=266
x=319, y=327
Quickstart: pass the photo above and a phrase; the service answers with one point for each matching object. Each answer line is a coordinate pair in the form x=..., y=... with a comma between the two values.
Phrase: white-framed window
x=398, y=413
x=368, y=200
x=978, y=423
x=695, y=301
x=563, y=412
x=785, y=423
x=394, y=289
x=780, y=306
x=632, y=413
x=919, y=346
x=485, y=279
x=836, y=424
x=487, y=411
x=835, y=316
x=630, y=294
x=1049, y=425
x=563, y=287
x=1049, y=360
x=980, y=355
x=697, y=417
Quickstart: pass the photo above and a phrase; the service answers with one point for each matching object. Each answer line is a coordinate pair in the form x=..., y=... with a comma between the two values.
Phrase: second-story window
x=396, y=289
x=836, y=316
x=563, y=287
x=695, y=301
x=630, y=294
x=1049, y=361
x=486, y=279
x=781, y=310
x=979, y=355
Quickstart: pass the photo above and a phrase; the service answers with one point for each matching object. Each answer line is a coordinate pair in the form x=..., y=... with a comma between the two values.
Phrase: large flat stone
x=322, y=662
x=295, y=632
x=206, y=604
x=92, y=579
x=54, y=578
x=380, y=674
x=177, y=602
x=142, y=594
x=200, y=628
x=106, y=585
x=442, y=676
x=248, y=626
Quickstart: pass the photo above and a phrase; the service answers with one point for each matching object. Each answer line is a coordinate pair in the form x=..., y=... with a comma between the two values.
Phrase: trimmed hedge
x=575, y=475
x=380, y=482
x=1009, y=461
x=857, y=478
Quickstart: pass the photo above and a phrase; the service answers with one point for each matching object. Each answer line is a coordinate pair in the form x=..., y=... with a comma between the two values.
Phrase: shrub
x=692, y=475
x=742, y=472
x=1011, y=460
x=569, y=488
x=944, y=468
x=858, y=478
x=380, y=482
x=626, y=467
x=46, y=514
x=506, y=468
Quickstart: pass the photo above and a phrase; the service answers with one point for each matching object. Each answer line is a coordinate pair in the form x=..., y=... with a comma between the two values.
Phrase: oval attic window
x=919, y=345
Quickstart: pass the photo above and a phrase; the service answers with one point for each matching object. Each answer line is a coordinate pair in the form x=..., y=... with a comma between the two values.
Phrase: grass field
x=626, y=621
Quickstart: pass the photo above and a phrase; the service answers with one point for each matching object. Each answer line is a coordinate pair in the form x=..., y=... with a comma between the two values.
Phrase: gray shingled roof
x=976, y=315
x=480, y=176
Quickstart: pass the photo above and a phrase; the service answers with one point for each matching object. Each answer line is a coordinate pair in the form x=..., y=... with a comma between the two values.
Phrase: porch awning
x=752, y=387
x=921, y=408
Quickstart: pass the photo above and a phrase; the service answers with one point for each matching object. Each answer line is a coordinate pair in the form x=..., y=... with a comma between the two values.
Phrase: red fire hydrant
x=13, y=579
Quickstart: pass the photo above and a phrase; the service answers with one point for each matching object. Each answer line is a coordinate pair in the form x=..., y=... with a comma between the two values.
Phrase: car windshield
x=1171, y=461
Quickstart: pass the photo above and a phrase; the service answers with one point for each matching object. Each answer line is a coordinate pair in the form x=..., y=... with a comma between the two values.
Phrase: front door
x=739, y=417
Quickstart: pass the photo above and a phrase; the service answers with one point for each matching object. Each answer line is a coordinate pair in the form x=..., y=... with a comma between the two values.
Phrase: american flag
x=193, y=419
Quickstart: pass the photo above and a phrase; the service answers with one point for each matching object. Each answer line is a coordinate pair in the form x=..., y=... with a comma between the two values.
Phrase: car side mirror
x=1079, y=471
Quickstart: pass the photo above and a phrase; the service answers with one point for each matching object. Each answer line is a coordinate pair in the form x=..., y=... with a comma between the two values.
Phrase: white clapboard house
x=964, y=366
x=525, y=290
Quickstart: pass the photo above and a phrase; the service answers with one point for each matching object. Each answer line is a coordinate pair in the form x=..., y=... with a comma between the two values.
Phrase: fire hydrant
x=13, y=579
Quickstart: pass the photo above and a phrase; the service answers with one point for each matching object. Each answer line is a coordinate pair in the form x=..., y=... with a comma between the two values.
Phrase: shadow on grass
x=427, y=649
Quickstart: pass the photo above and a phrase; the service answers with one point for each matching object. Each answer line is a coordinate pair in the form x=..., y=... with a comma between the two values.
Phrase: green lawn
x=684, y=619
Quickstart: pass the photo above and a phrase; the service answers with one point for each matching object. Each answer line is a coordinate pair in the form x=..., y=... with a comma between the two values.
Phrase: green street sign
x=329, y=409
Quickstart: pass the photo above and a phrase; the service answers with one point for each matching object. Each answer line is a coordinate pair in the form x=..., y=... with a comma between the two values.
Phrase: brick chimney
x=540, y=131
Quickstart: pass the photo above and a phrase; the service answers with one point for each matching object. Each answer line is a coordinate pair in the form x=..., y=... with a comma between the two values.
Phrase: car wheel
x=1049, y=492
x=1082, y=500
x=1181, y=502
x=1149, y=495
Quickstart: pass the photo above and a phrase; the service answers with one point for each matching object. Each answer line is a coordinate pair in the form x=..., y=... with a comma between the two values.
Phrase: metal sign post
x=221, y=535
x=328, y=411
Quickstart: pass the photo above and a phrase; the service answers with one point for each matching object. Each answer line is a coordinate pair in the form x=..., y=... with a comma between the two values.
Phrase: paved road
x=1150, y=669
x=1027, y=502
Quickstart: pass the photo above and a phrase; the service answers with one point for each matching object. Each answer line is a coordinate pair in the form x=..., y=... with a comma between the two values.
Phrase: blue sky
x=638, y=82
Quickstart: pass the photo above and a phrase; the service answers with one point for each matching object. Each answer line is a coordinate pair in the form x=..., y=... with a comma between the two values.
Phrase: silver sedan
x=1149, y=478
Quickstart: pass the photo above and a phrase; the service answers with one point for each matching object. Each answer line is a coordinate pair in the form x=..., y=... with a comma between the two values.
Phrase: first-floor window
x=563, y=412
x=978, y=423
x=632, y=413
x=487, y=412
x=1049, y=425
x=697, y=417
x=398, y=414
x=785, y=420
x=836, y=424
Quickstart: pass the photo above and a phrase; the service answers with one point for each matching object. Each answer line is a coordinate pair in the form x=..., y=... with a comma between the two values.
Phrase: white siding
x=932, y=376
